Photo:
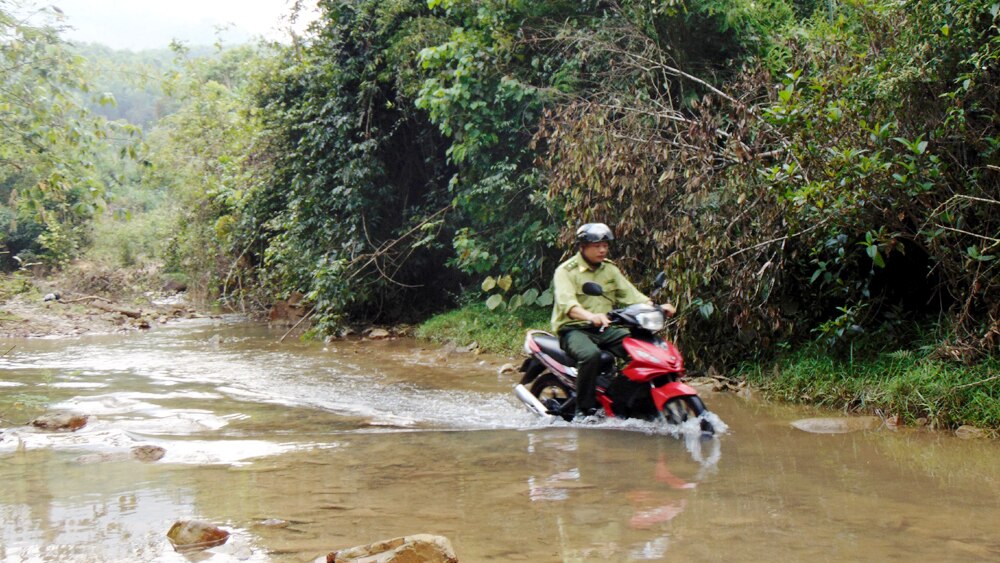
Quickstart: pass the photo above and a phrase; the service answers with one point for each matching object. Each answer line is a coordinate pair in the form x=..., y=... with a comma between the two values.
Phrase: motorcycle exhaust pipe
x=532, y=402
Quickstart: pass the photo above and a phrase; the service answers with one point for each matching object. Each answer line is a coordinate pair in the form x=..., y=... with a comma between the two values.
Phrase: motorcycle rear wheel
x=548, y=386
x=676, y=411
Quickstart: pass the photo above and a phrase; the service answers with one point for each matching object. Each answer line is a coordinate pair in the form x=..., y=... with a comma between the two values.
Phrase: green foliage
x=530, y=297
x=498, y=332
x=133, y=80
x=911, y=384
x=354, y=206
x=824, y=201
x=49, y=142
x=199, y=163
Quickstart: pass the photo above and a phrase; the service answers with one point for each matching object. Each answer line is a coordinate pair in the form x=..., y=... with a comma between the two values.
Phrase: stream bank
x=85, y=300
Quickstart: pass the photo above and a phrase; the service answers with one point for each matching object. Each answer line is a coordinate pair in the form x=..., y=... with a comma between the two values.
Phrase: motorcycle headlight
x=651, y=320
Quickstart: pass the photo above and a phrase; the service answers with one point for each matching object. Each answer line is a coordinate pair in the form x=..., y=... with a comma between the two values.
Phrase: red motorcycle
x=648, y=386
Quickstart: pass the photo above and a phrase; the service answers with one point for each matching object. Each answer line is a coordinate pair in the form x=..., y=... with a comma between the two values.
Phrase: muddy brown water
x=300, y=449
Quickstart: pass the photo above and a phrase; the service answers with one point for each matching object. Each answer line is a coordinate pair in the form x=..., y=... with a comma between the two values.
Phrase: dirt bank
x=81, y=301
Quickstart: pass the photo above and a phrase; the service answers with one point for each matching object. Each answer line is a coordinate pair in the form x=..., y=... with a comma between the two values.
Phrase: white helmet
x=594, y=232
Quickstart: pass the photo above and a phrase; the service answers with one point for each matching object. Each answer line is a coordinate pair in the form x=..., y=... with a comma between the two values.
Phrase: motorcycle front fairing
x=654, y=357
x=651, y=358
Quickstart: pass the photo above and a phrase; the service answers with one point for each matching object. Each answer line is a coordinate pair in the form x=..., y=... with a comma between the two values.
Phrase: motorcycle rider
x=581, y=320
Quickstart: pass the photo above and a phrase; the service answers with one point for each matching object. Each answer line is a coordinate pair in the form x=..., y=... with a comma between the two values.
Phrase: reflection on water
x=300, y=449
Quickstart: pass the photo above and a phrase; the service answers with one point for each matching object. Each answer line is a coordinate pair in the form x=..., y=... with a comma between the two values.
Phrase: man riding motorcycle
x=581, y=320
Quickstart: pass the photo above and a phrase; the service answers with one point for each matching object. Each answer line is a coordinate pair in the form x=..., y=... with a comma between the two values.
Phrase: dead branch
x=296, y=325
x=88, y=297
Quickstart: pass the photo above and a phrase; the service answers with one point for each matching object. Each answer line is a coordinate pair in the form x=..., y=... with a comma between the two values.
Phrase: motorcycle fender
x=671, y=391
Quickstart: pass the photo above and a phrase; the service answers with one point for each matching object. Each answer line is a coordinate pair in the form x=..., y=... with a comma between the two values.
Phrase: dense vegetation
x=817, y=175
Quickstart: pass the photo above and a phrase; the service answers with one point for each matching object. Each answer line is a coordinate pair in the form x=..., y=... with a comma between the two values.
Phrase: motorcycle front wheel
x=676, y=411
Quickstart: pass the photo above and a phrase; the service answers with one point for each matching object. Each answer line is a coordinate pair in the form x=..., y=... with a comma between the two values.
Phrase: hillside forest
x=816, y=175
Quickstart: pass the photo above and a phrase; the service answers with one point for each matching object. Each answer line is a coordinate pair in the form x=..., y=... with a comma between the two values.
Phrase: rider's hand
x=668, y=309
x=600, y=320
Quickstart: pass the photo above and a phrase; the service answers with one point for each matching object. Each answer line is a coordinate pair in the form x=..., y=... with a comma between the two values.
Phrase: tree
x=48, y=140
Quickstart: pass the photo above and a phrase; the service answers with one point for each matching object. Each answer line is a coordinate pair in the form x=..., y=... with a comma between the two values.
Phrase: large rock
x=288, y=312
x=378, y=334
x=419, y=548
x=195, y=535
x=61, y=421
x=838, y=425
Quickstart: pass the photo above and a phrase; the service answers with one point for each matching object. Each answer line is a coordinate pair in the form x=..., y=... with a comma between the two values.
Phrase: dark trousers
x=585, y=345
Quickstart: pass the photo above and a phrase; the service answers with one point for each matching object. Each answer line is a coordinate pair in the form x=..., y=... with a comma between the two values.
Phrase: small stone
x=61, y=421
x=893, y=421
x=425, y=548
x=195, y=535
x=507, y=368
x=148, y=453
x=967, y=432
x=274, y=523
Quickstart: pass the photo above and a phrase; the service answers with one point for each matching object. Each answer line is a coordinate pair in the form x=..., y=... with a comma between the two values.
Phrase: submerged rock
x=419, y=548
x=274, y=523
x=60, y=421
x=838, y=425
x=148, y=453
x=194, y=535
x=967, y=432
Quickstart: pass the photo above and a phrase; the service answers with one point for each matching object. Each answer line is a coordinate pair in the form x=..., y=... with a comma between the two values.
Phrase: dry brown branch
x=388, y=245
x=85, y=298
x=974, y=383
x=767, y=242
x=296, y=325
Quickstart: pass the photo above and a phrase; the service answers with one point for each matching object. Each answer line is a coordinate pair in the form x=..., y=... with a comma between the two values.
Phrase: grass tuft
x=496, y=332
x=919, y=388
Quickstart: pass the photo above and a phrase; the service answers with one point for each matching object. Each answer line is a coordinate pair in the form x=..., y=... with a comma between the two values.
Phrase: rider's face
x=594, y=252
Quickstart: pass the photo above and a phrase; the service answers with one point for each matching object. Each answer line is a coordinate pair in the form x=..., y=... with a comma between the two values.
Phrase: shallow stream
x=299, y=449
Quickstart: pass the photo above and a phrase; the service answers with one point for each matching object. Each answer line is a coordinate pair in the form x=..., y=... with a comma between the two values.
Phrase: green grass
x=497, y=332
x=913, y=385
x=16, y=283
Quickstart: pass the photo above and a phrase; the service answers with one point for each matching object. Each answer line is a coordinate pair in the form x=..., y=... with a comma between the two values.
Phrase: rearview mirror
x=592, y=288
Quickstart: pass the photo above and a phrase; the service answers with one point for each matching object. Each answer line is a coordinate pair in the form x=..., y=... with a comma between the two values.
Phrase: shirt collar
x=583, y=265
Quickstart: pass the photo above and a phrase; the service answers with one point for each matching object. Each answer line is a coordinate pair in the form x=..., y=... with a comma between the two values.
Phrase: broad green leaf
x=494, y=301
x=545, y=299
x=706, y=309
x=529, y=296
x=505, y=282
x=489, y=283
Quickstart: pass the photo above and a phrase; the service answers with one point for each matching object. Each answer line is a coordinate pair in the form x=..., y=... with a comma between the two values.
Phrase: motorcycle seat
x=549, y=344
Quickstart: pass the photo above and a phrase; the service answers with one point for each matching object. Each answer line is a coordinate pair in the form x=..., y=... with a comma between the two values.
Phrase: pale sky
x=152, y=24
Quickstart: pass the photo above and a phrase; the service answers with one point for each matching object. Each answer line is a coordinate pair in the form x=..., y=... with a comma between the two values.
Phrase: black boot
x=567, y=409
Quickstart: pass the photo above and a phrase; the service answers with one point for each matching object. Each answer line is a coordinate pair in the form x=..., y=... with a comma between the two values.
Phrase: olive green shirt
x=568, y=290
